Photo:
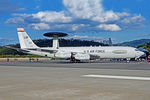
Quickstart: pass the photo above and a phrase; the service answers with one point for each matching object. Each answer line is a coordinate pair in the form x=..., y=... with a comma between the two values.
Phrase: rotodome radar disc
x=55, y=34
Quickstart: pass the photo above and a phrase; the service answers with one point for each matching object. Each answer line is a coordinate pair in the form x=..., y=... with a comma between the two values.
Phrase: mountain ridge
x=134, y=43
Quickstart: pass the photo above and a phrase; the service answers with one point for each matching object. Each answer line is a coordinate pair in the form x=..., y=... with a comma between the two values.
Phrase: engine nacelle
x=63, y=55
x=82, y=56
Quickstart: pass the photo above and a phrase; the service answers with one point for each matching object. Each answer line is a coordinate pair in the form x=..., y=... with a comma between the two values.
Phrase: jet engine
x=82, y=56
x=73, y=56
x=63, y=55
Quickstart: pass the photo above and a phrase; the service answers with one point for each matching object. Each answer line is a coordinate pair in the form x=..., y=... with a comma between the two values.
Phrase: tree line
x=48, y=43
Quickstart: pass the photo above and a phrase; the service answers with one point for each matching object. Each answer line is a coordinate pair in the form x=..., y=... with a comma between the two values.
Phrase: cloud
x=4, y=41
x=38, y=3
x=84, y=9
x=146, y=35
x=87, y=37
x=109, y=27
x=79, y=37
x=15, y=20
x=8, y=7
x=51, y=17
x=40, y=26
x=90, y=9
x=79, y=16
x=76, y=27
x=135, y=18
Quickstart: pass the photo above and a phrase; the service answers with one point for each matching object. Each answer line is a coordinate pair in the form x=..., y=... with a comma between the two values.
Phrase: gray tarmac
x=66, y=81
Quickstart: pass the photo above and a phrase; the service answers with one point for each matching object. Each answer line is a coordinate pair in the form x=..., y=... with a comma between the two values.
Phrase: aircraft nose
x=141, y=54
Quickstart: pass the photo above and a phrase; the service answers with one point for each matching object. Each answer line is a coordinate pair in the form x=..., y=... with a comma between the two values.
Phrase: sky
x=121, y=20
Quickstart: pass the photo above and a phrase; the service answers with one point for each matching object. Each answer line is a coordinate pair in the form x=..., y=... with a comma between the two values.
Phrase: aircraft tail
x=25, y=40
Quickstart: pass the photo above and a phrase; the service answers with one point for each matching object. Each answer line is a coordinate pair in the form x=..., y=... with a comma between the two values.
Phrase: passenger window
x=136, y=50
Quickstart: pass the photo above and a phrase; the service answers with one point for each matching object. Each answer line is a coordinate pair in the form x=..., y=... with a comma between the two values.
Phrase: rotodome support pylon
x=55, y=36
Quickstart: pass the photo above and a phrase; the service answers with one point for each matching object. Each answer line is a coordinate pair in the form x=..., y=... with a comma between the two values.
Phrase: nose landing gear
x=128, y=60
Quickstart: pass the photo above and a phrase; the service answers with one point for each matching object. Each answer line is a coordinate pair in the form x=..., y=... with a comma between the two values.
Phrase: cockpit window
x=136, y=50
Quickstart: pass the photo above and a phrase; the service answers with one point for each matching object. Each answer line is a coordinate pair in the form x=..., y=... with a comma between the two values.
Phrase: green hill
x=73, y=42
x=48, y=43
x=67, y=43
x=134, y=43
x=145, y=46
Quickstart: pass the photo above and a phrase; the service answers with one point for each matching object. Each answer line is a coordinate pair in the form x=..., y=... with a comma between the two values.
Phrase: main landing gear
x=73, y=60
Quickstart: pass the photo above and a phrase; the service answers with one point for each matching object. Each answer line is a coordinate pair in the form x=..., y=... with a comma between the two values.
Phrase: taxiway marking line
x=118, y=77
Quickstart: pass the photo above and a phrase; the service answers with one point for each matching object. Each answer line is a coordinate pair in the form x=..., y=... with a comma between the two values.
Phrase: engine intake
x=82, y=56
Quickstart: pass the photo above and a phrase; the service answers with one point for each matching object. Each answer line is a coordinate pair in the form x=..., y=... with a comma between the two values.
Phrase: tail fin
x=25, y=40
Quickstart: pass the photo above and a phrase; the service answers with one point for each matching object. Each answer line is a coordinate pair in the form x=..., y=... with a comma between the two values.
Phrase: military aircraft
x=74, y=53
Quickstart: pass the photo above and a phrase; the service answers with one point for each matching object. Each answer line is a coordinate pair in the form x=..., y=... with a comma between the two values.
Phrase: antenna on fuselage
x=55, y=36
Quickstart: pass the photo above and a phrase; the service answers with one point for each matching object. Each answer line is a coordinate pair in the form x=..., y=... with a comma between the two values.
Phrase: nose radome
x=139, y=53
x=142, y=53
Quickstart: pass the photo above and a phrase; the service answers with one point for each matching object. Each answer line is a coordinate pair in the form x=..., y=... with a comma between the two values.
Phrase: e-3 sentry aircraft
x=74, y=53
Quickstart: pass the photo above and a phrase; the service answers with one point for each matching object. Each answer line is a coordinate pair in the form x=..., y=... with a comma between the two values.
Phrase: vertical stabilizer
x=25, y=40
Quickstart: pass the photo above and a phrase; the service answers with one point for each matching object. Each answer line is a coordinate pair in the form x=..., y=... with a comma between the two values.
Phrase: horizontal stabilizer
x=18, y=49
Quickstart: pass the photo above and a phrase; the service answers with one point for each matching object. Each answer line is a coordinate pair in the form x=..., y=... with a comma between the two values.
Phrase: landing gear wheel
x=128, y=60
x=73, y=60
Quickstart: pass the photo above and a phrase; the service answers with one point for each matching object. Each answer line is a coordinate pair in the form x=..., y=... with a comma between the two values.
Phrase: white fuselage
x=79, y=53
x=101, y=52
